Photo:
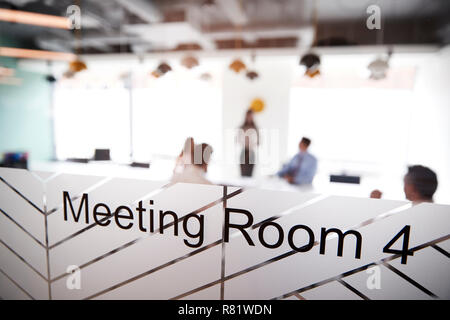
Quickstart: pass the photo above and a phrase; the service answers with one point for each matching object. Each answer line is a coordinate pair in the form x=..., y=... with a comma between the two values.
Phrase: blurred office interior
x=119, y=93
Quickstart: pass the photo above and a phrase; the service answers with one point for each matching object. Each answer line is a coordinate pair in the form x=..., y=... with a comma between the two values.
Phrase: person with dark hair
x=302, y=167
x=420, y=184
x=195, y=167
x=249, y=139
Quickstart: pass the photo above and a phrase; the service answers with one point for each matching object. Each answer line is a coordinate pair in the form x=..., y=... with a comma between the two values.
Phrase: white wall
x=430, y=122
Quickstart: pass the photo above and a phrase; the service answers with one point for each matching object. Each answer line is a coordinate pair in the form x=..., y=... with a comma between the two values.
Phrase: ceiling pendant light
x=76, y=65
x=252, y=75
x=155, y=74
x=237, y=65
x=50, y=77
x=311, y=62
x=206, y=76
x=189, y=62
x=161, y=70
x=379, y=67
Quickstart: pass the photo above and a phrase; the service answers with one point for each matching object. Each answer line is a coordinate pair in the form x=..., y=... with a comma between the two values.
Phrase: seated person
x=186, y=155
x=302, y=167
x=376, y=194
x=195, y=171
x=419, y=184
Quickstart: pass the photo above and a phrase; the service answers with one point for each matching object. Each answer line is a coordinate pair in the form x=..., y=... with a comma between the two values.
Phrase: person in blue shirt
x=302, y=167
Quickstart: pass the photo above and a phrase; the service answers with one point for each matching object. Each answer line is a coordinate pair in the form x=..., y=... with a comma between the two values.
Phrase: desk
x=161, y=170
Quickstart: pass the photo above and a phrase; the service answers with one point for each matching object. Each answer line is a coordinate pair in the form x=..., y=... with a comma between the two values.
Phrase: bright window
x=165, y=114
x=363, y=128
x=89, y=119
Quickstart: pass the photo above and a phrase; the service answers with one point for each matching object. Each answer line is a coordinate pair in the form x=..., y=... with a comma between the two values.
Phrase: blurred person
x=194, y=171
x=186, y=155
x=249, y=139
x=376, y=194
x=303, y=166
x=419, y=184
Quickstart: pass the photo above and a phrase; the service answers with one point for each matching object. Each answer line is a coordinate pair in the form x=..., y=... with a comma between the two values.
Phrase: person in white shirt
x=186, y=155
x=195, y=171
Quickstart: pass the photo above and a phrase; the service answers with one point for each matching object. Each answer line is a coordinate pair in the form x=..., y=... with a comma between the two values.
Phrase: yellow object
x=156, y=74
x=77, y=66
x=257, y=105
x=237, y=65
x=190, y=62
x=312, y=74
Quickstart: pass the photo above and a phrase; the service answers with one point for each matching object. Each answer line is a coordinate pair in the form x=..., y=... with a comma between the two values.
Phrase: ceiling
x=146, y=26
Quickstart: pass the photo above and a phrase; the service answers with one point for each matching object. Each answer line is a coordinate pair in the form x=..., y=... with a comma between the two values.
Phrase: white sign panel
x=65, y=236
